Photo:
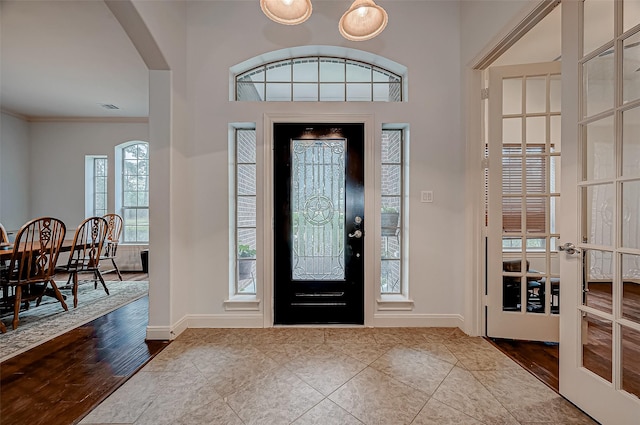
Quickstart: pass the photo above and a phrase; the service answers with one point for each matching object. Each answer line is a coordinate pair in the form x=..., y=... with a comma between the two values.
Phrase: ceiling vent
x=109, y=106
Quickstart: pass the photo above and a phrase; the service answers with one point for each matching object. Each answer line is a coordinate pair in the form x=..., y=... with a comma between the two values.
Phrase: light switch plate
x=426, y=196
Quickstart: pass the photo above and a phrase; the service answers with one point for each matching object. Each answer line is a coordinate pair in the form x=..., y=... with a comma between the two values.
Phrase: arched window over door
x=318, y=74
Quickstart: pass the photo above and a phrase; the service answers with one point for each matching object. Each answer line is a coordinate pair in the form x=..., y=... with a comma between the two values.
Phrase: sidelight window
x=244, y=191
x=392, y=207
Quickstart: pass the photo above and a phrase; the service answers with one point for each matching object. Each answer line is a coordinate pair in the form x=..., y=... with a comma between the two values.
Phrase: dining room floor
x=332, y=375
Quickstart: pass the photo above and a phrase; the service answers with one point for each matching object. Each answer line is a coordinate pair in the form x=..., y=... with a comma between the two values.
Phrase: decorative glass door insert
x=318, y=209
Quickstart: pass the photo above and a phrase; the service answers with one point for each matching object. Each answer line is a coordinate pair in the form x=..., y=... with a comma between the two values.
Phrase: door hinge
x=484, y=163
x=484, y=93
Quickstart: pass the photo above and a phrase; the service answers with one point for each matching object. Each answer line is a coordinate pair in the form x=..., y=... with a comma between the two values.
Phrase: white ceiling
x=66, y=58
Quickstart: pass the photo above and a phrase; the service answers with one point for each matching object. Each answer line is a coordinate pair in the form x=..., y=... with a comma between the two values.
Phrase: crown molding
x=90, y=119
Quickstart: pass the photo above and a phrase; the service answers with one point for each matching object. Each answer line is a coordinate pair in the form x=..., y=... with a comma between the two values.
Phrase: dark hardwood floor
x=60, y=381
x=542, y=359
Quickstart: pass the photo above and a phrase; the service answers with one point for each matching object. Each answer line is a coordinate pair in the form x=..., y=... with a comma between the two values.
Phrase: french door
x=318, y=223
x=600, y=265
x=524, y=160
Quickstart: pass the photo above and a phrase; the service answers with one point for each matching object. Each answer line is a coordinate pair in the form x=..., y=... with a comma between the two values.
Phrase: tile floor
x=331, y=376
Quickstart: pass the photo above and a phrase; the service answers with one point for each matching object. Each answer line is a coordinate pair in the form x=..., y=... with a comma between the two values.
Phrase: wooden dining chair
x=84, y=256
x=4, y=238
x=31, y=267
x=114, y=230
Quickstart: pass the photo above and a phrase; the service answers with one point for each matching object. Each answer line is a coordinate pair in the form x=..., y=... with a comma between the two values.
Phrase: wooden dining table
x=6, y=250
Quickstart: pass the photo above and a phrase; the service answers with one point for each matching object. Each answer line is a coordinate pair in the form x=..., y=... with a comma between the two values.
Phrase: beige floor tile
x=398, y=335
x=362, y=351
x=327, y=413
x=289, y=336
x=177, y=402
x=414, y=368
x=375, y=398
x=325, y=368
x=234, y=367
x=437, y=413
x=341, y=335
x=461, y=391
x=434, y=349
x=283, y=353
x=333, y=375
x=477, y=354
x=279, y=397
x=528, y=399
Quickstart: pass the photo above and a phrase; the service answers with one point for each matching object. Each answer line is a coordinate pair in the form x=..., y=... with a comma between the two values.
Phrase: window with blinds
x=524, y=189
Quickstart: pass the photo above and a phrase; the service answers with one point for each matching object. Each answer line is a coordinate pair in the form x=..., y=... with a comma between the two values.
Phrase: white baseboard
x=226, y=320
x=381, y=320
x=167, y=333
x=257, y=321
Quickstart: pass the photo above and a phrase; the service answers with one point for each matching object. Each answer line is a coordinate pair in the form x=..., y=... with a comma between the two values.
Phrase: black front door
x=319, y=223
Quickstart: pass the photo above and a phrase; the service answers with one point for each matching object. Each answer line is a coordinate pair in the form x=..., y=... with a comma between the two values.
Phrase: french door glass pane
x=631, y=143
x=631, y=214
x=598, y=79
x=598, y=285
x=598, y=23
x=555, y=93
x=318, y=209
x=631, y=288
x=536, y=94
x=631, y=66
x=630, y=356
x=512, y=96
x=598, y=205
x=555, y=133
x=596, y=345
x=511, y=214
x=599, y=150
x=536, y=130
x=512, y=130
x=631, y=13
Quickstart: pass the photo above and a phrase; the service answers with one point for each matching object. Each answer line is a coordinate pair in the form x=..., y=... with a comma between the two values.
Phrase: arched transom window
x=318, y=79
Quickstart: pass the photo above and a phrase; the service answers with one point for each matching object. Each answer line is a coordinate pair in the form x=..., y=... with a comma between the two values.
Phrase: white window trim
x=401, y=301
x=240, y=302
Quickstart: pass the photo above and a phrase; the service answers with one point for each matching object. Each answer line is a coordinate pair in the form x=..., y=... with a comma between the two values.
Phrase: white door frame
x=475, y=300
x=267, y=205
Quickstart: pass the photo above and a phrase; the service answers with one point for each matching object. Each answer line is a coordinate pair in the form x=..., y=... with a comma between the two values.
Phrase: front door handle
x=356, y=234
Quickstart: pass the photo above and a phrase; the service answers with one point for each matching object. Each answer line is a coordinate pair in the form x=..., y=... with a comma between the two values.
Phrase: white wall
x=430, y=50
x=15, y=173
x=434, y=39
x=57, y=161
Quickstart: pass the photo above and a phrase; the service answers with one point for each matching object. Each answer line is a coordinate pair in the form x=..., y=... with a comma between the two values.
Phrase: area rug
x=49, y=320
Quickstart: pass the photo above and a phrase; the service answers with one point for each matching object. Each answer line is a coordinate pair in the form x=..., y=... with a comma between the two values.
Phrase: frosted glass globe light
x=363, y=21
x=287, y=12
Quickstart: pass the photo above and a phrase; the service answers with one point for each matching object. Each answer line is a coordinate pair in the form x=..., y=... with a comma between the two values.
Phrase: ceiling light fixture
x=287, y=12
x=363, y=21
